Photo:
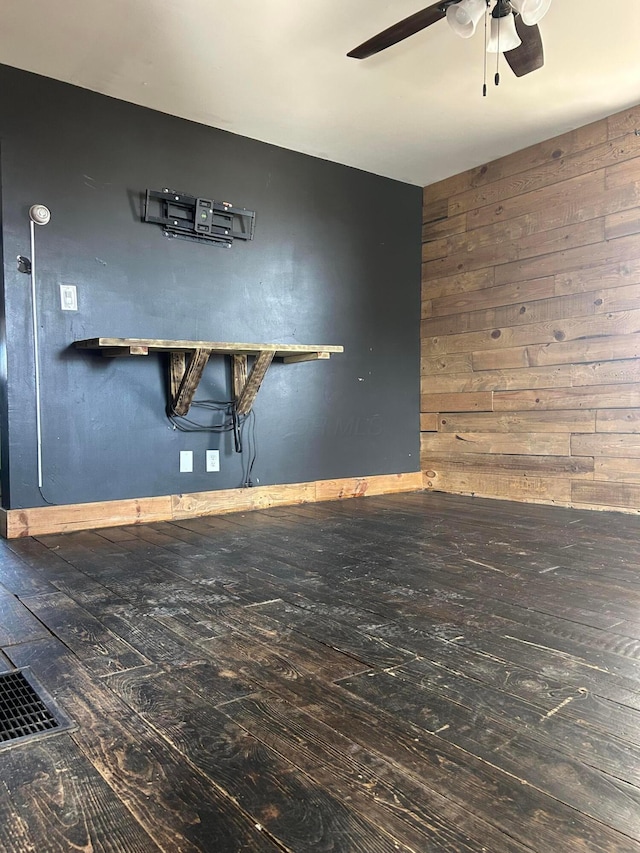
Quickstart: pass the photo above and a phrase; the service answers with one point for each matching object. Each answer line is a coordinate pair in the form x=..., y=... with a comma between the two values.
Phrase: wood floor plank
x=377, y=788
x=538, y=689
x=173, y=802
x=606, y=647
x=525, y=751
x=254, y=659
x=595, y=749
x=589, y=603
x=18, y=578
x=370, y=650
x=563, y=667
x=620, y=686
x=14, y=829
x=17, y=622
x=151, y=639
x=269, y=674
x=412, y=671
x=516, y=809
x=318, y=658
x=94, y=644
x=62, y=803
x=288, y=804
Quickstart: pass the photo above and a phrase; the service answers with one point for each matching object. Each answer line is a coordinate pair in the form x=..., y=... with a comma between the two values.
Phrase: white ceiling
x=276, y=70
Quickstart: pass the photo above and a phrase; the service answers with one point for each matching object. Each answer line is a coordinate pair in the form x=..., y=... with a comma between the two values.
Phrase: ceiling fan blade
x=413, y=24
x=529, y=56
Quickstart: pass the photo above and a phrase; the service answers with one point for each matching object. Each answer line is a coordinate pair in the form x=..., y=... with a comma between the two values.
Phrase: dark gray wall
x=335, y=260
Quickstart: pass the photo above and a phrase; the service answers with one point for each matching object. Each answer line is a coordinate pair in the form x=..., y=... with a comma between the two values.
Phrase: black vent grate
x=26, y=709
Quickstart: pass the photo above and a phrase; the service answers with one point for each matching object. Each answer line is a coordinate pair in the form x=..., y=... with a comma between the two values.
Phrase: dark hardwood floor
x=411, y=673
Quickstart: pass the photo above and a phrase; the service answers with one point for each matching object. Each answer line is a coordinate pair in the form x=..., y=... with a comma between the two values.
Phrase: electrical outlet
x=213, y=460
x=68, y=297
x=186, y=461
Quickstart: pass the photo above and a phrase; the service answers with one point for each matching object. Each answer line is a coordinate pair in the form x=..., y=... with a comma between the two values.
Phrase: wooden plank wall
x=531, y=323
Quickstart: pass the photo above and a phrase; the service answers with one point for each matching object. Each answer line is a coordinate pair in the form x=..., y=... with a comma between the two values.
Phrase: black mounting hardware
x=24, y=264
x=200, y=220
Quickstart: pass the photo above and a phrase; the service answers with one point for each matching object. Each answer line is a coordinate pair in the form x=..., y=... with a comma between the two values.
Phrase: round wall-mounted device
x=39, y=214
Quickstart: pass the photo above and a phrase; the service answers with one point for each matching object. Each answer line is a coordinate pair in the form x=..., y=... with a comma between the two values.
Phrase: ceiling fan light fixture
x=531, y=11
x=464, y=17
x=504, y=35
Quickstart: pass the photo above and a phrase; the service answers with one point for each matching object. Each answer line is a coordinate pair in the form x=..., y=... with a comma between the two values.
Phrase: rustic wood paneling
x=428, y=422
x=578, y=258
x=553, y=171
x=512, y=463
x=577, y=421
x=449, y=363
x=489, y=380
x=617, y=470
x=618, y=420
x=530, y=370
x=481, y=402
x=465, y=445
x=606, y=444
x=493, y=297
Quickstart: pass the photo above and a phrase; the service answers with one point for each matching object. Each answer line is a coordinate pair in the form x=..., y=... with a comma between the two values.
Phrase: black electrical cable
x=254, y=442
x=246, y=447
x=249, y=443
x=185, y=424
x=243, y=428
x=237, y=436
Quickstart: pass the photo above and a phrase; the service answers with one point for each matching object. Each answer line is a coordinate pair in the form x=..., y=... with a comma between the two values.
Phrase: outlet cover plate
x=186, y=461
x=213, y=460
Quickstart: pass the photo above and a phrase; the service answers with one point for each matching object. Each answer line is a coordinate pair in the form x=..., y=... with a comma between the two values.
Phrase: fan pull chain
x=484, y=82
x=496, y=79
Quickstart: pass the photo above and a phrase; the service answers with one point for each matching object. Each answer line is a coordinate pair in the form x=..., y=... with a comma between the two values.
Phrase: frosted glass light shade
x=509, y=37
x=531, y=11
x=464, y=17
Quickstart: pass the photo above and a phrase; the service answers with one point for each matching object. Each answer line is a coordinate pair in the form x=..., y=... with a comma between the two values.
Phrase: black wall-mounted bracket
x=200, y=220
x=24, y=265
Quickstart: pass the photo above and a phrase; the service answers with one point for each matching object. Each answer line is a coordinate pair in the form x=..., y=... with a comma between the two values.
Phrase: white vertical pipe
x=36, y=350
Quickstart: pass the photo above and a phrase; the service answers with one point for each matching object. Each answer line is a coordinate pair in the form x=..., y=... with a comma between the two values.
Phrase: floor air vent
x=26, y=709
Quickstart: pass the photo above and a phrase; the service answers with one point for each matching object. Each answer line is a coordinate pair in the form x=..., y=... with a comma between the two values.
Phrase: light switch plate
x=68, y=297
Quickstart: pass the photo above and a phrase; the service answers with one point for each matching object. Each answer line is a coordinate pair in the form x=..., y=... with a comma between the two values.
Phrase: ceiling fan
x=514, y=29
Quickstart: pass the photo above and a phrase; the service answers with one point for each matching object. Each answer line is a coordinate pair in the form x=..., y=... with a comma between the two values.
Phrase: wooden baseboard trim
x=493, y=496
x=39, y=521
